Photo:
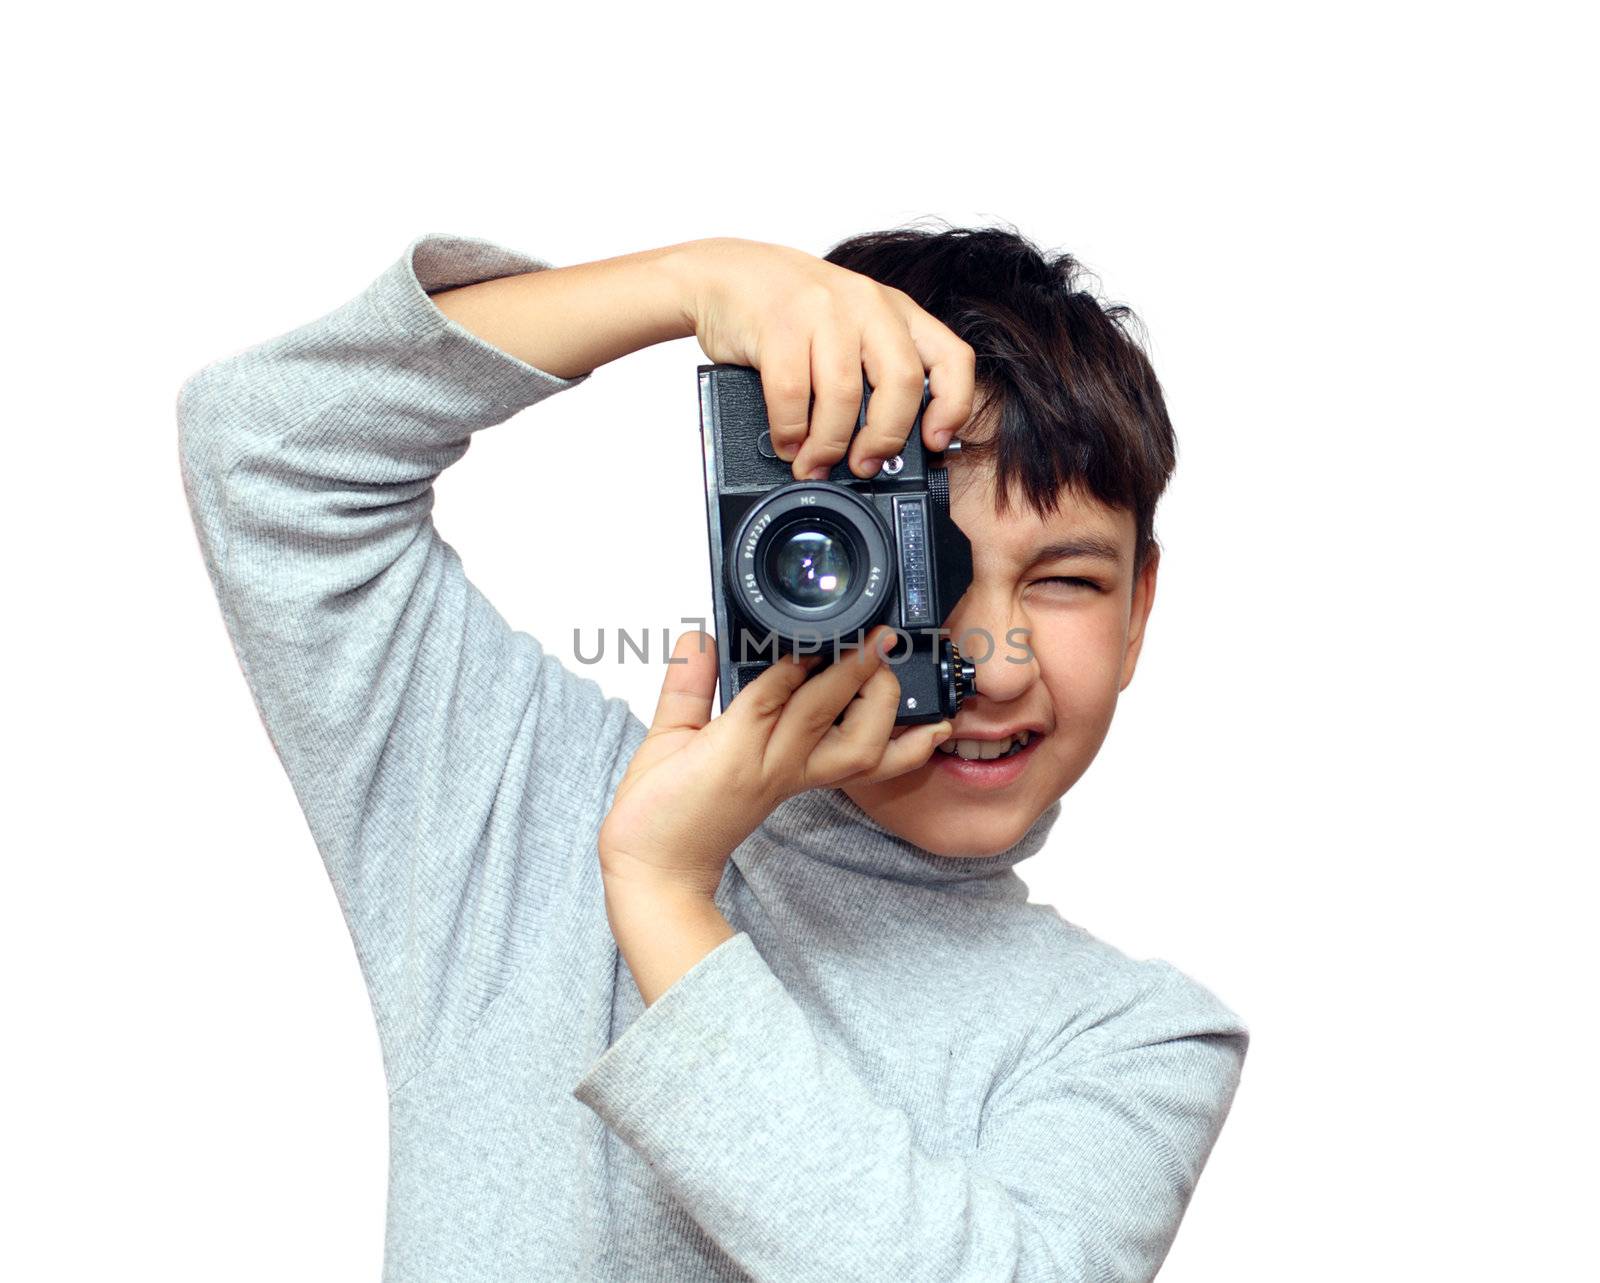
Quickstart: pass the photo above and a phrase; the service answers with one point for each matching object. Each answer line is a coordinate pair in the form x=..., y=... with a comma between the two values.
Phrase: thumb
x=689, y=685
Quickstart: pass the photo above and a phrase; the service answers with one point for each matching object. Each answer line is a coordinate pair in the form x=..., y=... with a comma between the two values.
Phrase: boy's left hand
x=698, y=786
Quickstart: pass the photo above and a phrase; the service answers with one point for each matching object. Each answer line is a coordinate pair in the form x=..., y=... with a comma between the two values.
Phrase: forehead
x=1019, y=534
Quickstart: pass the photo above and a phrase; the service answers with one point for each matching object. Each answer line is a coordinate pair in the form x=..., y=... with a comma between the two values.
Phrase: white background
x=1350, y=789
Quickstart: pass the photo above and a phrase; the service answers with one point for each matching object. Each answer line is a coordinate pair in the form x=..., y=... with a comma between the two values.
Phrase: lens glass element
x=810, y=567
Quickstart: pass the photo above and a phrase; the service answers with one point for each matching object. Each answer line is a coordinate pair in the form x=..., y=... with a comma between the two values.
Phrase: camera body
x=812, y=566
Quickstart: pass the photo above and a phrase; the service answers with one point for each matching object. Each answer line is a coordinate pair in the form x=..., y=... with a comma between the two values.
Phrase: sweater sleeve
x=451, y=773
x=1085, y=1164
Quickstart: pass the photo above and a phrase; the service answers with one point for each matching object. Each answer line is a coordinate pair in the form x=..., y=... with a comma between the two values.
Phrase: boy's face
x=1068, y=580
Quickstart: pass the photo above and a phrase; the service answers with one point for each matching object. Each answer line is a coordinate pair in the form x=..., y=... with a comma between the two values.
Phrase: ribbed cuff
x=718, y=1034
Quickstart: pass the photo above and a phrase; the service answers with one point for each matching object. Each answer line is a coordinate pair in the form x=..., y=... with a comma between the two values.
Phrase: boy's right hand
x=812, y=328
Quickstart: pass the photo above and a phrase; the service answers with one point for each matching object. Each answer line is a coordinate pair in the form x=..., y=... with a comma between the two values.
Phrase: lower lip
x=993, y=774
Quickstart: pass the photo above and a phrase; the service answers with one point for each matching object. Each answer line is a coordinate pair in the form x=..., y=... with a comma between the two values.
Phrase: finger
x=785, y=368
x=690, y=684
x=894, y=368
x=767, y=696
x=952, y=370
x=858, y=743
x=837, y=387
x=813, y=709
x=907, y=752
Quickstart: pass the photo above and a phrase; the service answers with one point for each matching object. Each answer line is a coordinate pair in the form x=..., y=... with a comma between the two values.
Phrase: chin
x=945, y=825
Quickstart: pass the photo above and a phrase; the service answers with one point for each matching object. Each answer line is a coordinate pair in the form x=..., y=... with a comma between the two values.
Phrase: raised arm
x=452, y=773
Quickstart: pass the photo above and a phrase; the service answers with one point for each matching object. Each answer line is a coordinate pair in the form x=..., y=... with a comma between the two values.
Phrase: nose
x=990, y=634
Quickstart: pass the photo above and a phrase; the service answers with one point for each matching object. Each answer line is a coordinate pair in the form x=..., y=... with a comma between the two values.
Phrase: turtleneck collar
x=826, y=825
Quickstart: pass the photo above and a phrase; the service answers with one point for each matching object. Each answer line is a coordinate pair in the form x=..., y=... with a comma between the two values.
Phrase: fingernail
x=868, y=467
x=819, y=473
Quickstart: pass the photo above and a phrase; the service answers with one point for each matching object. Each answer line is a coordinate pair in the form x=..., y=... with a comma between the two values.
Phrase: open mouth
x=970, y=750
x=986, y=764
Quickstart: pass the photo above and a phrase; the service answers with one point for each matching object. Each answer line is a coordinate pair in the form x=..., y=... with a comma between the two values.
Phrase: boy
x=753, y=996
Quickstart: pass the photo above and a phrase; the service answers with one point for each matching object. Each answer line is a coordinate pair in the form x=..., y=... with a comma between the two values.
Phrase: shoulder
x=1102, y=1000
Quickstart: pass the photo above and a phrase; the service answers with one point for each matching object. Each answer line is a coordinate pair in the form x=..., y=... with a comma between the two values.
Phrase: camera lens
x=812, y=560
x=810, y=566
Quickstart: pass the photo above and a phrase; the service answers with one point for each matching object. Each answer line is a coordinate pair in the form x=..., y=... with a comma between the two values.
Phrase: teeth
x=970, y=750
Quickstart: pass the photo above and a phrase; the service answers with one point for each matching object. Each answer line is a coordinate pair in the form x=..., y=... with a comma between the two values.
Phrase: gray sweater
x=897, y=1069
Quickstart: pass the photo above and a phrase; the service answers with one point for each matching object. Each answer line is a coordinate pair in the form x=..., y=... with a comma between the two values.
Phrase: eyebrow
x=1082, y=546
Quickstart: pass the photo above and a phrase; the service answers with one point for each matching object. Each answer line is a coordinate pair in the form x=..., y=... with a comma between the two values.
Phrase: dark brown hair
x=1060, y=373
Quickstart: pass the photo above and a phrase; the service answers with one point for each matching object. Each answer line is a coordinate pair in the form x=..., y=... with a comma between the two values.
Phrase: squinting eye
x=1070, y=581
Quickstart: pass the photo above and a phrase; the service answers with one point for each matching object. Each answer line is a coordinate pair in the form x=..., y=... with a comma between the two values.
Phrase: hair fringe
x=1066, y=393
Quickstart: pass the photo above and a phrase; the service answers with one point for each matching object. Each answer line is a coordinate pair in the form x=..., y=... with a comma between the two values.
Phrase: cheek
x=1080, y=662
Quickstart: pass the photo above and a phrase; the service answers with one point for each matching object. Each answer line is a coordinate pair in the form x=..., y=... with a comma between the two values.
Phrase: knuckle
x=826, y=439
x=823, y=729
x=768, y=694
x=885, y=697
x=906, y=380
x=787, y=387
x=862, y=757
x=763, y=705
x=816, y=296
x=841, y=385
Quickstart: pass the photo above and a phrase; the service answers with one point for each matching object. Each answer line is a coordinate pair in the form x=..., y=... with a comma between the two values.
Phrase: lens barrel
x=811, y=563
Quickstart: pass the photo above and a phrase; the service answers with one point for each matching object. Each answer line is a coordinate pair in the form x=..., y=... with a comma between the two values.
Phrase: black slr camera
x=811, y=566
